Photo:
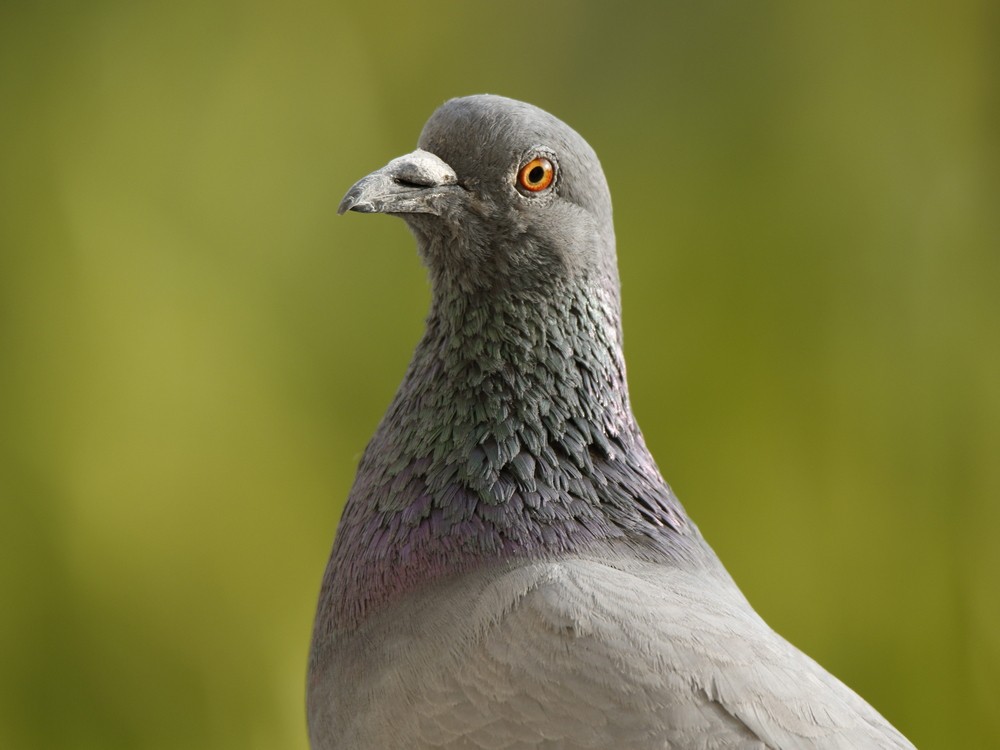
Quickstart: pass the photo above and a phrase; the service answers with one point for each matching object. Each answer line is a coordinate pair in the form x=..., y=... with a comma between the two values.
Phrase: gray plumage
x=511, y=570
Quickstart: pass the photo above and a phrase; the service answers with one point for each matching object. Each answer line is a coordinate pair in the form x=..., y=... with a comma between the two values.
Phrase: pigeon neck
x=511, y=437
x=527, y=358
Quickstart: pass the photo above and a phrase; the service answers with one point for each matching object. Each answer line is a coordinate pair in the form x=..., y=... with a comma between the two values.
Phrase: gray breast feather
x=583, y=653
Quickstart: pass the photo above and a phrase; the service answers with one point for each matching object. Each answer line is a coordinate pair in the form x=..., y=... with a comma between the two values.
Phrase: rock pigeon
x=511, y=570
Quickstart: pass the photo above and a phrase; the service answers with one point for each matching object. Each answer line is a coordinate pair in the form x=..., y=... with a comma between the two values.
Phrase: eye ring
x=537, y=174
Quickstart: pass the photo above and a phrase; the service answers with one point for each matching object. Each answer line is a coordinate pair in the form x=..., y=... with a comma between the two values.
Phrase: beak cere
x=409, y=184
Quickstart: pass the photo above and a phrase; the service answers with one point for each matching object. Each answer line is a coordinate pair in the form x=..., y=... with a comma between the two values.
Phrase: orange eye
x=536, y=175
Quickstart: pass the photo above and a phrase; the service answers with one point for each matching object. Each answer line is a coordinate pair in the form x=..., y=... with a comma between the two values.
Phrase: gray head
x=492, y=173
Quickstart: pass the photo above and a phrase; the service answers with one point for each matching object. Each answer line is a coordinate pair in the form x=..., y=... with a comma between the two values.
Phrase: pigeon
x=511, y=570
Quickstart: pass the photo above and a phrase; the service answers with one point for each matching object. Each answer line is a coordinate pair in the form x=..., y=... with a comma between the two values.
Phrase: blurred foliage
x=194, y=349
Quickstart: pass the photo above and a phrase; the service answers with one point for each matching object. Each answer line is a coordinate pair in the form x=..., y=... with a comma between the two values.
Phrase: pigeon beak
x=409, y=184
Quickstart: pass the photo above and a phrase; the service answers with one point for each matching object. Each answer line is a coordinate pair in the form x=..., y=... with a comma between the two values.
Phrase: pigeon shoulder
x=582, y=653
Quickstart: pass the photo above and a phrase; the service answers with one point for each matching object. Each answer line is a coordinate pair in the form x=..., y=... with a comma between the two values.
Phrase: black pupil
x=536, y=174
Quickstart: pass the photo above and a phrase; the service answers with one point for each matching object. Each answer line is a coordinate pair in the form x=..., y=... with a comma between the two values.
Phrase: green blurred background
x=194, y=349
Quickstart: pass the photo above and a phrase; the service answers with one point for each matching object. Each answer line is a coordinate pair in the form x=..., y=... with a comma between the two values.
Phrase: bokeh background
x=194, y=349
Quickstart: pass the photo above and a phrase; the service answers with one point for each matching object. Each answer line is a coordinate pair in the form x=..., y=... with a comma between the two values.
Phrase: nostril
x=404, y=182
x=418, y=170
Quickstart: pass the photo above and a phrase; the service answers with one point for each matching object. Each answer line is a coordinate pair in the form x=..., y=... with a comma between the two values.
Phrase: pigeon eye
x=536, y=175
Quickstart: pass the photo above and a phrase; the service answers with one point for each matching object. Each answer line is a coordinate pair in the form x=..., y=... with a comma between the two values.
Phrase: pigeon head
x=501, y=195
